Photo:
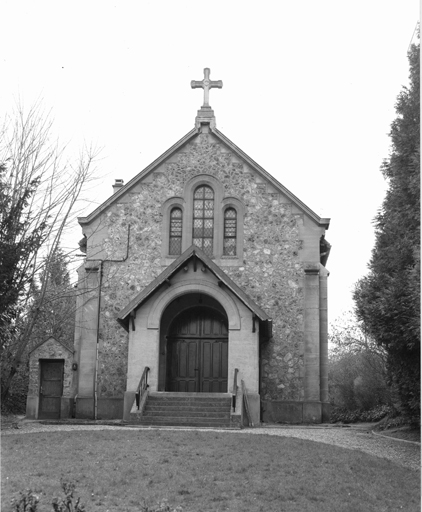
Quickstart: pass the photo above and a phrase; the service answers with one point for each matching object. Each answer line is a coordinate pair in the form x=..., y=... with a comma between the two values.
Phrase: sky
x=309, y=89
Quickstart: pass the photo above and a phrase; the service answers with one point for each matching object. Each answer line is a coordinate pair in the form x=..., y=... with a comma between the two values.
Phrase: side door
x=51, y=388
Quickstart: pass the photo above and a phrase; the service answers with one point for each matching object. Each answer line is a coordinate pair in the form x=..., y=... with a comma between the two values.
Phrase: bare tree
x=357, y=366
x=39, y=191
x=349, y=335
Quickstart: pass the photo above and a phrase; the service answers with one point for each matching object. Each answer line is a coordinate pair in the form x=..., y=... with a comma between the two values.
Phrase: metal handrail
x=246, y=403
x=142, y=387
x=234, y=392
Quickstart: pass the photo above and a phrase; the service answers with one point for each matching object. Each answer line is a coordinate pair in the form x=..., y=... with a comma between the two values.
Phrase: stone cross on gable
x=206, y=84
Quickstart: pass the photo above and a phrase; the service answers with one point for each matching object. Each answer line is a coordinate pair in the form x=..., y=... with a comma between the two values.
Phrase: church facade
x=203, y=269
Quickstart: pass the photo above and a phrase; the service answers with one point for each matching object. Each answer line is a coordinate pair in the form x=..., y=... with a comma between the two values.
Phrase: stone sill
x=223, y=261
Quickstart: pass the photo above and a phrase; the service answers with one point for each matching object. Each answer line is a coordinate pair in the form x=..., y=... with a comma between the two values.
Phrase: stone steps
x=187, y=405
x=178, y=413
x=185, y=409
x=186, y=422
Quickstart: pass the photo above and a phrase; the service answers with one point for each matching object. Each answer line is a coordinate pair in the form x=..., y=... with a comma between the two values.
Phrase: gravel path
x=405, y=454
x=402, y=453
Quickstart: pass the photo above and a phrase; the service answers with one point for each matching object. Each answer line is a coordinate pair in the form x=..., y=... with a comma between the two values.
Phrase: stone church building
x=205, y=285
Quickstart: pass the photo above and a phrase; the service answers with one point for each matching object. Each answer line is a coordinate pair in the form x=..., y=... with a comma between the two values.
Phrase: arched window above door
x=204, y=217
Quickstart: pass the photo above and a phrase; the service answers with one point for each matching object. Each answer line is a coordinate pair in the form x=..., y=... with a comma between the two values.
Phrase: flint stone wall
x=271, y=271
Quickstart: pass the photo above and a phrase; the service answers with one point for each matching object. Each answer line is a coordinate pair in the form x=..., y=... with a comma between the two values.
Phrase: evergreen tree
x=388, y=298
x=56, y=312
x=57, y=309
x=17, y=244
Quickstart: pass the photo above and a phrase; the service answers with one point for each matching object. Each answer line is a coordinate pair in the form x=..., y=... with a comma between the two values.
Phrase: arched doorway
x=197, y=352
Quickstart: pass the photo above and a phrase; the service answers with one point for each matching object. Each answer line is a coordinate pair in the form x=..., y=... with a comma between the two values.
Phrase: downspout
x=75, y=398
x=97, y=351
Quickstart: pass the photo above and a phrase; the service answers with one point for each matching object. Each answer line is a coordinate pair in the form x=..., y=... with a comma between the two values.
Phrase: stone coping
x=395, y=438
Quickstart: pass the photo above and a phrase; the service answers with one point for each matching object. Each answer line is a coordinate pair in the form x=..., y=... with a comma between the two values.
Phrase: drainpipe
x=75, y=398
x=98, y=320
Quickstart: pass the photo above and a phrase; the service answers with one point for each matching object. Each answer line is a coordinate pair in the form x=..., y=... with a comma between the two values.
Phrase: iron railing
x=142, y=387
x=246, y=404
x=234, y=392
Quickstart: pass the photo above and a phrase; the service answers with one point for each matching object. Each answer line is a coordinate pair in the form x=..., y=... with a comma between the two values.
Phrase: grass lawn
x=203, y=471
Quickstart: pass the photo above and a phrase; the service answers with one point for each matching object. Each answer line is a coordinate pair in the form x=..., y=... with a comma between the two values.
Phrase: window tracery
x=205, y=217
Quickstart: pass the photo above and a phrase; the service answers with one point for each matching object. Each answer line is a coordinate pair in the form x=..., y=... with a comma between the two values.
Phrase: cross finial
x=206, y=84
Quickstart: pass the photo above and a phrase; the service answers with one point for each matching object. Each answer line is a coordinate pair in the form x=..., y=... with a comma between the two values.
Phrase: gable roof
x=192, y=252
x=324, y=222
x=62, y=343
x=135, y=180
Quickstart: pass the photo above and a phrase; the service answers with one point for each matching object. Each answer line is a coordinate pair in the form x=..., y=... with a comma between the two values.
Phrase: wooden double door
x=197, y=352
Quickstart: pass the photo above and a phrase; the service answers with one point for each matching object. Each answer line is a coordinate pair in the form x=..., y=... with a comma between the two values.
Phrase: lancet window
x=203, y=219
x=230, y=232
x=176, y=225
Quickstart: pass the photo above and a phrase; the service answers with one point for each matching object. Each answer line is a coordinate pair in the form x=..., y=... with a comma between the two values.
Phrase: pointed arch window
x=203, y=219
x=176, y=225
x=230, y=232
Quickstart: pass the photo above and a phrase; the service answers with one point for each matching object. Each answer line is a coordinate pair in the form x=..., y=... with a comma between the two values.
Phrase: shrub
x=15, y=402
x=27, y=502
x=161, y=507
x=66, y=504
x=344, y=415
x=357, y=374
